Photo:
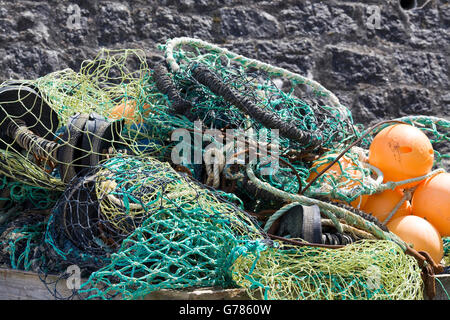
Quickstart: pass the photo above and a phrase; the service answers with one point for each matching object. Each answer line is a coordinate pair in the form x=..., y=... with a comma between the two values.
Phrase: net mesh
x=100, y=140
x=60, y=124
x=149, y=228
x=370, y=269
x=447, y=251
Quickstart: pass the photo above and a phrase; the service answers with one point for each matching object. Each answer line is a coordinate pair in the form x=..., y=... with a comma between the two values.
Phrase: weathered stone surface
x=158, y=24
x=350, y=67
x=423, y=68
x=426, y=28
x=297, y=56
x=392, y=26
x=380, y=69
x=20, y=62
x=320, y=19
x=249, y=23
x=114, y=23
x=411, y=101
x=371, y=106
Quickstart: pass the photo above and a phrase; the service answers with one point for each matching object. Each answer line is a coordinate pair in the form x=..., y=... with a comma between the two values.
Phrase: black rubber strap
x=70, y=150
x=302, y=222
x=22, y=102
x=99, y=134
x=312, y=226
x=267, y=118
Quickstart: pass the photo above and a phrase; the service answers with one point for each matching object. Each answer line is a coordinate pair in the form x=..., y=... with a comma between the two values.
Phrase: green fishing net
x=21, y=241
x=149, y=228
x=447, y=251
x=137, y=222
x=58, y=125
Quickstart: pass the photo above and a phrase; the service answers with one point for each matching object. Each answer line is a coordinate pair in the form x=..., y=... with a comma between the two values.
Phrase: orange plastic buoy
x=127, y=111
x=420, y=233
x=431, y=201
x=380, y=205
x=336, y=172
x=401, y=152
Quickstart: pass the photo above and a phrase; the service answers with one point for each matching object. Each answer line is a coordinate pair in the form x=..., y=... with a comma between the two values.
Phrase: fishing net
x=21, y=241
x=246, y=99
x=57, y=125
x=223, y=89
x=14, y=193
x=360, y=271
x=447, y=253
x=23, y=210
x=177, y=234
x=135, y=220
x=257, y=108
x=147, y=227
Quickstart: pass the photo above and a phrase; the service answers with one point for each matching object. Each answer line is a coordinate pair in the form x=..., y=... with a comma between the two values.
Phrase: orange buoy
x=127, y=111
x=381, y=204
x=420, y=233
x=431, y=201
x=343, y=164
x=401, y=152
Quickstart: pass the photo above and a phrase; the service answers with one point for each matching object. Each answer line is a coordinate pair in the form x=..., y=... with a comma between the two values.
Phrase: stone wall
x=381, y=60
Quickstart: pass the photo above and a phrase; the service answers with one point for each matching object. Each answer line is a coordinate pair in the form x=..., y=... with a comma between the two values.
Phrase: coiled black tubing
x=267, y=118
x=165, y=85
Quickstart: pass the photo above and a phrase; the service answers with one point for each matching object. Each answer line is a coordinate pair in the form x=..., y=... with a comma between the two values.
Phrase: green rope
x=351, y=218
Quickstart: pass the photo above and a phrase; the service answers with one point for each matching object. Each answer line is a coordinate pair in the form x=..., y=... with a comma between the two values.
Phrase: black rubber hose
x=358, y=212
x=337, y=239
x=165, y=85
x=267, y=118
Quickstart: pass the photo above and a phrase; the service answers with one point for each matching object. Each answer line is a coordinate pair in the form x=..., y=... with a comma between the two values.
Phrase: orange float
x=127, y=111
x=401, y=152
x=420, y=233
x=380, y=205
x=344, y=163
x=431, y=201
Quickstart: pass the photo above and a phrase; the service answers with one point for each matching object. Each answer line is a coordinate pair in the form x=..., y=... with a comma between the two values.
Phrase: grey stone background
x=400, y=67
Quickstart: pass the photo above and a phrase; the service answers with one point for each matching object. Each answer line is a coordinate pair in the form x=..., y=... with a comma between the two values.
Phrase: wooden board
x=23, y=285
x=442, y=287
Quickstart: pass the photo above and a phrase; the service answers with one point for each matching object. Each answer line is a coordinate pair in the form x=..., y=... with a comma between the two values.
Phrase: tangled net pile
x=97, y=148
x=367, y=270
x=151, y=225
